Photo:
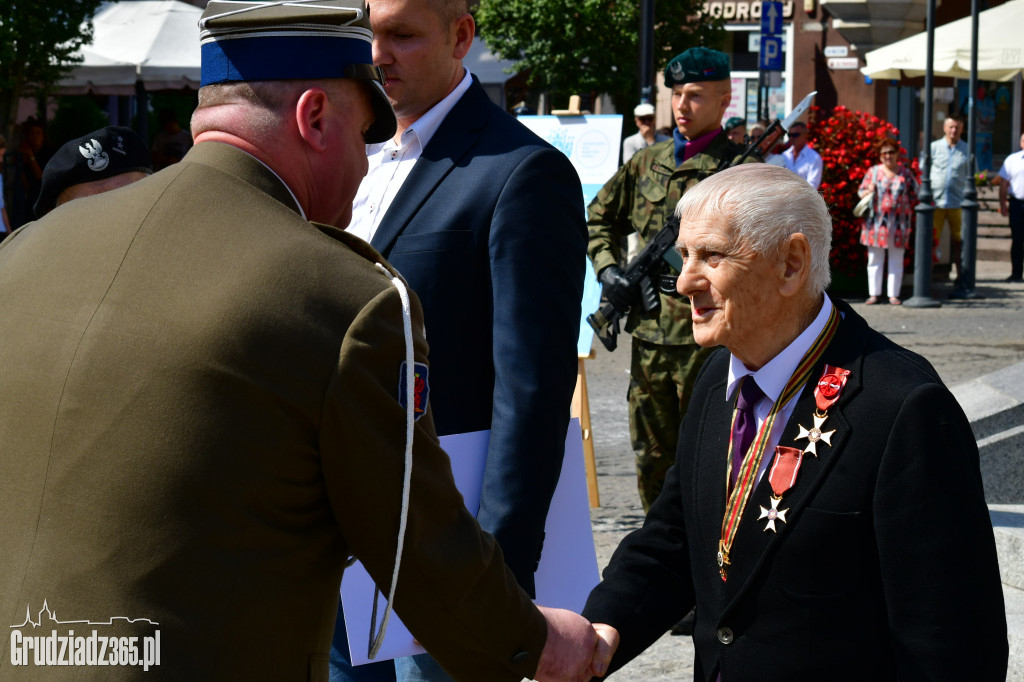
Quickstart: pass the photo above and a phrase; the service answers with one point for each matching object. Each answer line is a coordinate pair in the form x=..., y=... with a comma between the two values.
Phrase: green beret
x=696, y=65
x=734, y=122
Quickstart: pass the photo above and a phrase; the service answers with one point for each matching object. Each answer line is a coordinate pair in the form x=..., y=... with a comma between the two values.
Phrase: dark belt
x=667, y=285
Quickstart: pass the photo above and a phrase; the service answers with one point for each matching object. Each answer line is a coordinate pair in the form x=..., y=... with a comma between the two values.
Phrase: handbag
x=863, y=207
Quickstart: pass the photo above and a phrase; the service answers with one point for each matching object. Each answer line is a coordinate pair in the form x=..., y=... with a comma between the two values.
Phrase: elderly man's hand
x=607, y=643
x=569, y=651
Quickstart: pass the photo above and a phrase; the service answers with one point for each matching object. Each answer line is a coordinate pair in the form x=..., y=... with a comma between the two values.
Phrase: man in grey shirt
x=643, y=116
x=950, y=172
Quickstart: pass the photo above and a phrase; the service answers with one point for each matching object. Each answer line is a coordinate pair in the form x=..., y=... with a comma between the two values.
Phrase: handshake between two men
x=575, y=650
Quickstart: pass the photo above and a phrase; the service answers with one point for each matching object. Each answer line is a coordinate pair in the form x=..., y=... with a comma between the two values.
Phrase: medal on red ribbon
x=785, y=466
x=781, y=477
x=826, y=393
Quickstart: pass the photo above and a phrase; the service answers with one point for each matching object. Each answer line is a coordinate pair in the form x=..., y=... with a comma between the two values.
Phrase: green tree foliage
x=38, y=41
x=590, y=46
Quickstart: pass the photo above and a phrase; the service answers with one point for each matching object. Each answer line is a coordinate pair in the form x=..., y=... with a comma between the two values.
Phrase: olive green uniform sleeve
x=454, y=593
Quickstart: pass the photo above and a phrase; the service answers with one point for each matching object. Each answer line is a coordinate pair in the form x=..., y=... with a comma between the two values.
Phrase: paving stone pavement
x=962, y=339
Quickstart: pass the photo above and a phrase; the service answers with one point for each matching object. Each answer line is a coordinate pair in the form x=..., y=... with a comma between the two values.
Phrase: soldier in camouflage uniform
x=640, y=198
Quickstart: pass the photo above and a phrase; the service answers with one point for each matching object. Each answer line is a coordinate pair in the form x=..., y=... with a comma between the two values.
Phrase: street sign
x=771, y=53
x=836, y=51
x=754, y=42
x=771, y=18
x=840, y=63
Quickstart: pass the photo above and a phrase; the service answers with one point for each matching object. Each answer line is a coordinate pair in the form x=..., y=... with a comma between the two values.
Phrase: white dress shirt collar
x=426, y=125
x=390, y=163
x=773, y=377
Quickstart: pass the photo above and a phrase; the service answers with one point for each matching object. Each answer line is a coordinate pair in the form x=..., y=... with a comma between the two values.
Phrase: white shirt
x=807, y=165
x=1013, y=172
x=772, y=379
x=391, y=163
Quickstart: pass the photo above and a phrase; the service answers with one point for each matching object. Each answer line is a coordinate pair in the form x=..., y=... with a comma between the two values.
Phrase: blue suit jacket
x=489, y=230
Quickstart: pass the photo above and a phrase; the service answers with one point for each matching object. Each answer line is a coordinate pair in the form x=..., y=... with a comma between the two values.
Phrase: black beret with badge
x=696, y=65
x=296, y=39
x=99, y=155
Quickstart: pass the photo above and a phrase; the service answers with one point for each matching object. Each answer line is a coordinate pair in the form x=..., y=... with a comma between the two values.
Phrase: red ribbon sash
x=784, y=469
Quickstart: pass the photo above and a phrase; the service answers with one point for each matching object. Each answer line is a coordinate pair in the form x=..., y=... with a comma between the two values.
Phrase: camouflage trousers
x=660, y=382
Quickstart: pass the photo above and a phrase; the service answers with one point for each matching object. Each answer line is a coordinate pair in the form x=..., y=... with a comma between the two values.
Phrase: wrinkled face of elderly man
x=754, y=281
x=730, y=286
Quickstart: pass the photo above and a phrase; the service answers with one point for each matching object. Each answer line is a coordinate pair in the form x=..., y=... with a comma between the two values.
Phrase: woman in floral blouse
x=887, y=229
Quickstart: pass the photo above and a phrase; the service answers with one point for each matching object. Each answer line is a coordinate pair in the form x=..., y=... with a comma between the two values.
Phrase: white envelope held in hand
x=568, y=565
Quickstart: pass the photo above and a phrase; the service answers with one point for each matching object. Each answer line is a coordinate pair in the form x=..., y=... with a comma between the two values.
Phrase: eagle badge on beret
x=95, y=157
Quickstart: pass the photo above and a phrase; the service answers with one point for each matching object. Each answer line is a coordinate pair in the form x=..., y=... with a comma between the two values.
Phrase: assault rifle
x=639, y=272
x=605, y=321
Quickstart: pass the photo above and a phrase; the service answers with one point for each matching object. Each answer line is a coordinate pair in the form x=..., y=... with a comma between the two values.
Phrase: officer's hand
x=570, y=648
x=616, y=288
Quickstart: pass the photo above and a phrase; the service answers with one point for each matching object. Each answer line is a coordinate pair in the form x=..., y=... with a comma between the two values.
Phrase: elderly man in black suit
x=826, y=513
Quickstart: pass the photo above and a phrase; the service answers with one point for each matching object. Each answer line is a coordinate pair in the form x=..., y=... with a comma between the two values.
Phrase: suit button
x=725, y=636
x=520, y=658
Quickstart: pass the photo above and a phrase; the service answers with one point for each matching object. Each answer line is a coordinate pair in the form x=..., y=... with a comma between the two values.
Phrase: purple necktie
x=745, y=425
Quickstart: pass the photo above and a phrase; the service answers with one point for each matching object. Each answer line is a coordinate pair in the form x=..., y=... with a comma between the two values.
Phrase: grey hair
x=764, y=205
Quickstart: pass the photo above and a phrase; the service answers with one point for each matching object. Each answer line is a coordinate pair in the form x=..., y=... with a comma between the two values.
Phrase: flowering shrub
x=845, y=139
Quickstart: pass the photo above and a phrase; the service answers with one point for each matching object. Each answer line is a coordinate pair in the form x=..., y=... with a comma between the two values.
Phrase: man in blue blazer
x=486, y=222
x=850, y=539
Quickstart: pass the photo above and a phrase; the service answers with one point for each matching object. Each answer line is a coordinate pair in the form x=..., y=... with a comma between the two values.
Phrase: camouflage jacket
x=639, y=198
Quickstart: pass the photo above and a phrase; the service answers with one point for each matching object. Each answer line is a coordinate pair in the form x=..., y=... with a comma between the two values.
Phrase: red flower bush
x=845, y=140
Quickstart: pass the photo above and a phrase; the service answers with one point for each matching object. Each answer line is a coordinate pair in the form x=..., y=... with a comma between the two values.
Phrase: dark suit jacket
x=202, y=423
x=886, y=568
x=489, y=230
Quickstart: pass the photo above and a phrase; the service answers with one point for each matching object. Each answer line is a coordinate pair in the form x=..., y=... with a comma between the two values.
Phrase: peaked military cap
x=99, y=155
x=294, y=39
x=696, y=65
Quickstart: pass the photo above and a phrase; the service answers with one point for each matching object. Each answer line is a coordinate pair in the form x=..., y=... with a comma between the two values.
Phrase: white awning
x=1000, y=48
x=153, y=41
x=157, y=42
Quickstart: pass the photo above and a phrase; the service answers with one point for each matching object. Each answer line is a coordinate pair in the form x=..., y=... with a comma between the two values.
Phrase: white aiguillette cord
x=410, y=408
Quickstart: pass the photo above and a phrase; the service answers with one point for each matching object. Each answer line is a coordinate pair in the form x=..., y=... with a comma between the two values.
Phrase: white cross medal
x=815, y=434
x=826, y=393
x=781, y=477
x=773, y=514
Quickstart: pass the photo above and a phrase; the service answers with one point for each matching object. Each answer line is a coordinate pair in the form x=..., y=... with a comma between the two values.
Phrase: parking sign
x=771, y=53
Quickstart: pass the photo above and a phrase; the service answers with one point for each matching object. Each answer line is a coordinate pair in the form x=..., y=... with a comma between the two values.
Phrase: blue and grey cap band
x=244, y=58
x=244, y=40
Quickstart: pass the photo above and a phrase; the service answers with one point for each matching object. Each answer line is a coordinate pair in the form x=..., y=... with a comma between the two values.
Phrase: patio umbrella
x=152, y=41
x=1000, y=48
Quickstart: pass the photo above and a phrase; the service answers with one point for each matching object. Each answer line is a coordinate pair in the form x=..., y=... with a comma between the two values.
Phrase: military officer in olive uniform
x=213, y=395
x=639, y=199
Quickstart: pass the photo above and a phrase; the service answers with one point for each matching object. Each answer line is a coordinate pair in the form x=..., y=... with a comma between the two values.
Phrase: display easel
x=581, y=408
x=592, y=143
